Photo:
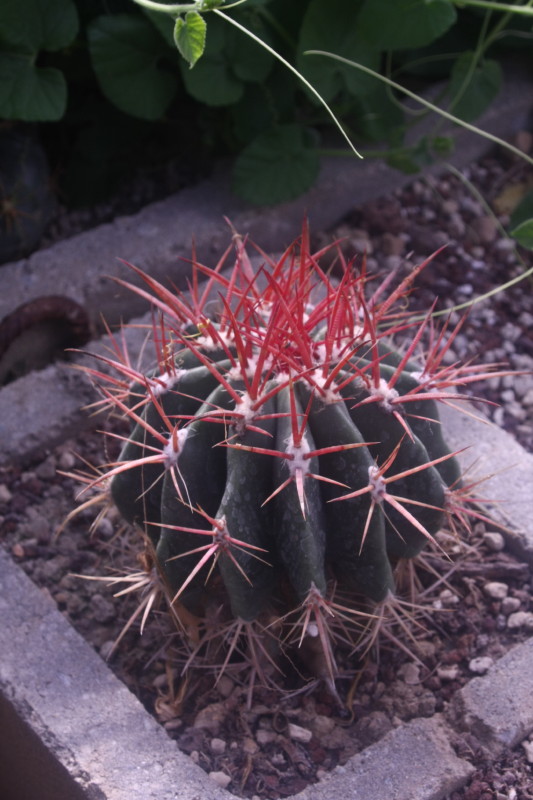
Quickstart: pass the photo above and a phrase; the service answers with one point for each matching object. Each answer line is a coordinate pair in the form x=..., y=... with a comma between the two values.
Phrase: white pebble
x=298, y=733
x=265, y=737
x=448, y=673
x=480, y=665
x=496, y=590
x=520, y=619
x=5, y=494
x=218, y=746
x=510, y=605
x=220, y=778
x=528, y=747
x=494, y=541
x=410, y=673
x=448, y=598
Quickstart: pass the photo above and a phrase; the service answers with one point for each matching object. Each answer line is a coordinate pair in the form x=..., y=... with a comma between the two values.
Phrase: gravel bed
x=466, y=216
x=477, y=603
x=274, y=744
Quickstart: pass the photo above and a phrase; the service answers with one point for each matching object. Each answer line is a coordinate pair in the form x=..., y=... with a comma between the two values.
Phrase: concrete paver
x=507, y=470
x=413, y=762
x=90, y=721
x=498, y=708
x=114, y=750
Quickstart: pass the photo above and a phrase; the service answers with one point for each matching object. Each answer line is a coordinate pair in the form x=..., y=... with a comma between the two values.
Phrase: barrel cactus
x=284, y=455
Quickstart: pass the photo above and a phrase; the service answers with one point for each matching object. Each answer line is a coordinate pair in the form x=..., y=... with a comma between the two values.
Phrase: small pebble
x=510, y=605
x=5, y=494
x=218, y=746
x=480, y=665
x=322, y=726
x=496, y=590
x=248, y=745
x=410, y=673
x=104, y=610
x=225, y=686
x=360, y=242
x=66, y=461
x=47, y=469
x=106, y=649
x=392, y=245
x=298, y=733
x=485, y=229
x=528, y=747
x=173, y=724
x=211, y=717
x=40, y=527
x=265, y=737
x=520, y=619
x=448, y=598
x=494, y=541
x=448, y=673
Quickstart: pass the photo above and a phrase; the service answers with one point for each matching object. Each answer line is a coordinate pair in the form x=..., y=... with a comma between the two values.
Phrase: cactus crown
x=284, y=456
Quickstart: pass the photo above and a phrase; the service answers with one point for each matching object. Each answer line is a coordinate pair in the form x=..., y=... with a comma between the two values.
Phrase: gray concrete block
x=91, y=724
x=43, y=408
x=494, y=454
x=413, y=762
x=498, y=708
x=98, y=734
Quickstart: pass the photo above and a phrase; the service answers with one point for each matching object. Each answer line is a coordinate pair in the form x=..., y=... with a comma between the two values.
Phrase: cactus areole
x=285, y=453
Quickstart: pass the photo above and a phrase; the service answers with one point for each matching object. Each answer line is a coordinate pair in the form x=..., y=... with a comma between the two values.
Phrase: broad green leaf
x=30, y=93
x=524, y=234
x=403, y=24
x=230, y=59
x=125, y=52
x=212, y=81
x=523, y=211
x=473, y=88
x=38, y=24
x=189, y=36
x=277, y=166
x=333, y=27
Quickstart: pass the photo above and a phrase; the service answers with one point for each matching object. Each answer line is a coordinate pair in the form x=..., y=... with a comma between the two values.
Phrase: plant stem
x=290, y=68
x=492, y=6
x=178, y=8
x=425, y=103
x=476, y=300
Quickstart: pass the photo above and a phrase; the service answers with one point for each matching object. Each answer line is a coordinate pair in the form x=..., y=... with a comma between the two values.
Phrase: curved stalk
x=291, y=69
x=424, y=102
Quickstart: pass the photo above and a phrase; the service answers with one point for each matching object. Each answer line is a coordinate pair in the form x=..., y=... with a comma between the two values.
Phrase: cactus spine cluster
x=284, y=456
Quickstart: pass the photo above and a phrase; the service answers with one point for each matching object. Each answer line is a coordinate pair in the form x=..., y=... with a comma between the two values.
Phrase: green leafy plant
x=151, y=60
x=28, y=91
x=285, y=459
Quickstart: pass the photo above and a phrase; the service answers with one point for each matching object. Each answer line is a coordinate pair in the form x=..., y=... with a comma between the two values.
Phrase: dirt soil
x=477, y=600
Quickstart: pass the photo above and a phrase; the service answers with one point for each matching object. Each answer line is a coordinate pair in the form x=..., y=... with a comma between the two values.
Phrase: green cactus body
x=249, y=574
x=198, y=484
x=355, y=531
x=289, y=453
x=300, y=534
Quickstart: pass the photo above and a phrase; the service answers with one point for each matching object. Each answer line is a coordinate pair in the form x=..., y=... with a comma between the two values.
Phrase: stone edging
x=98, y=732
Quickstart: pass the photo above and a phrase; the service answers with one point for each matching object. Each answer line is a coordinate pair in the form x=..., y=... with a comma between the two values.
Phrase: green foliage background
x=108, y=87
